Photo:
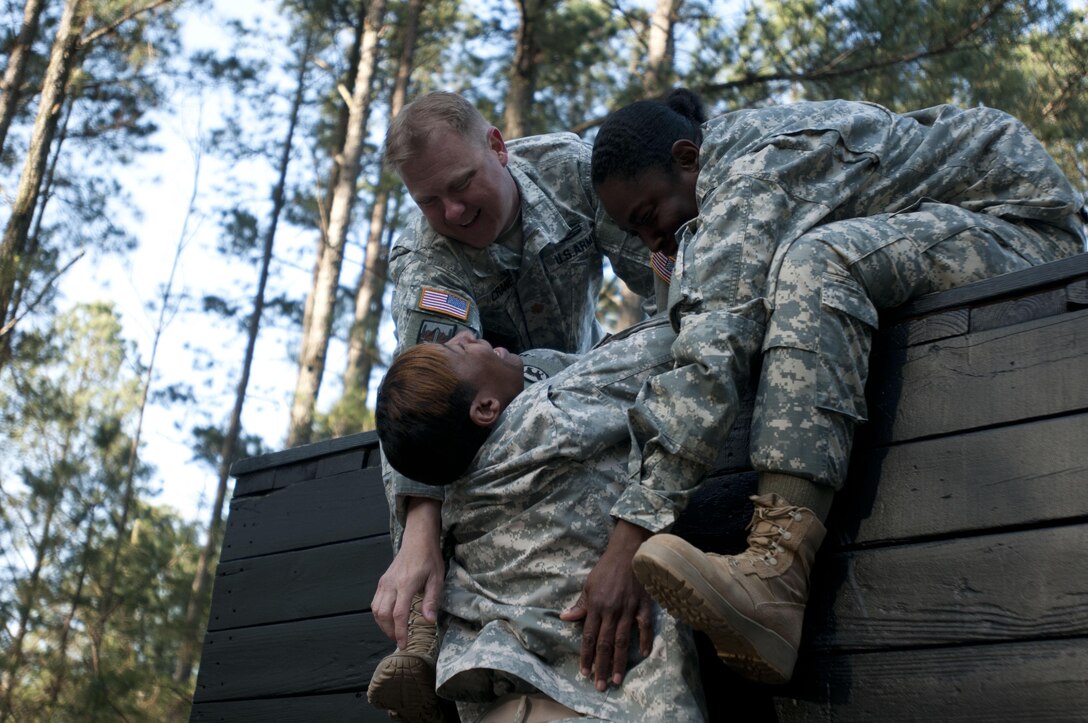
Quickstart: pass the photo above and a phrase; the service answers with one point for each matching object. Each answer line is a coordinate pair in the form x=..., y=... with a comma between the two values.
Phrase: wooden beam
x=1001, y=587
x=324, y=655
x=316, y=582
x=1036, y=681
x=345, y=506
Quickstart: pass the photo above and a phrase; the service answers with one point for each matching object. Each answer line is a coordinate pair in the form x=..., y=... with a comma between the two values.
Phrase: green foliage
x=92, y=591
x=90, y=607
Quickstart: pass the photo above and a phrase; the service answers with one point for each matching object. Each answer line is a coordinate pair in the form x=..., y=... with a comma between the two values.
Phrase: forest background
x=197, y=217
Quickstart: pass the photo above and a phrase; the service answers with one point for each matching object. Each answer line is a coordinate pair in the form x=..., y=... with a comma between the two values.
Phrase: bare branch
x=6, y=329
x=112, y=27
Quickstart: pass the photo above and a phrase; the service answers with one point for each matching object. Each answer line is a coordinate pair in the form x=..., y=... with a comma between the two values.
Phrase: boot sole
x=754, y=651
x=403, y=685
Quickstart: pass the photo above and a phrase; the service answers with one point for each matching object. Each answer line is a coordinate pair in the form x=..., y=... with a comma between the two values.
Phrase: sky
x=161, y=187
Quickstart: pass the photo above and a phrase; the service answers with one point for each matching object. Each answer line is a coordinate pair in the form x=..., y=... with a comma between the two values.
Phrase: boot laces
x=421, y=634
x=765, y=533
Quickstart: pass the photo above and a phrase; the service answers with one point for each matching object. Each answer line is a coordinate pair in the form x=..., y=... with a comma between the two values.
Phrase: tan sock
x=798, y=491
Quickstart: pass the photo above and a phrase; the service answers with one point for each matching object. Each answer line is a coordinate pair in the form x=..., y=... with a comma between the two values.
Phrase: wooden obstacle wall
x=952, y=585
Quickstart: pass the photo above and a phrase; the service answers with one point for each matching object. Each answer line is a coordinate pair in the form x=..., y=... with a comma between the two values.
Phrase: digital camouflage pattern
x=811, y=218
x=536, y=289
x=529, y=522
x=537, y=365
x=533, y=289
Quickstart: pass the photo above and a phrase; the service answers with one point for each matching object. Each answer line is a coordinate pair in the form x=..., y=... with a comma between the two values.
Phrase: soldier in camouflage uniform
x=528, y=523
x=510, y=244
x=791, y=227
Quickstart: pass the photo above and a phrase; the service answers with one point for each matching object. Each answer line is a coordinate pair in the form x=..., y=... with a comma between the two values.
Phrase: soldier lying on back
x=510, y=243
x=535, y=474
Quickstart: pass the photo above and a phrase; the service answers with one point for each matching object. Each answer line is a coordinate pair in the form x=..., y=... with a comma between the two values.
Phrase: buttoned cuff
x=659, y=490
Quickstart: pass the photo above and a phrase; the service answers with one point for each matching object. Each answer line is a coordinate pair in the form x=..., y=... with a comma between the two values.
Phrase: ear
x=497, y=144
x=484, y=410
x=686, y=155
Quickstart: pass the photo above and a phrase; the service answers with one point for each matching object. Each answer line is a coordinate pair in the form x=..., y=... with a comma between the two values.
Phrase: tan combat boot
x=751, y=605
x=403, y=682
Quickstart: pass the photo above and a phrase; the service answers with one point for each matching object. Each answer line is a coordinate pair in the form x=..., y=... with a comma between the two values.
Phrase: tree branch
x=6, y=328
x=950, y=45
x=112, y=27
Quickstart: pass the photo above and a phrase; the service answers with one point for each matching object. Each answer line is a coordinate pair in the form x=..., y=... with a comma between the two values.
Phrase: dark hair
x=423, y=421
x=639, y=136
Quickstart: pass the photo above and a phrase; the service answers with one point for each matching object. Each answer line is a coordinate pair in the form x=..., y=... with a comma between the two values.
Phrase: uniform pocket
x=847, y=320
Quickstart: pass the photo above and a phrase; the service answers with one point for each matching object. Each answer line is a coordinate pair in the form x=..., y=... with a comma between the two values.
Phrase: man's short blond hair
x=413, y=126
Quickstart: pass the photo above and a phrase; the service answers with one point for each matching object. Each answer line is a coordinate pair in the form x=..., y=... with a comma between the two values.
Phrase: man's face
x=492, y=372
x=463, y=187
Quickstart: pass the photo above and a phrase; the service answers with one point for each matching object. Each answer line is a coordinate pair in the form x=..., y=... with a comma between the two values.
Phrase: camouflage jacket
x=529, y=522
x=541, y=295
x=769, y=176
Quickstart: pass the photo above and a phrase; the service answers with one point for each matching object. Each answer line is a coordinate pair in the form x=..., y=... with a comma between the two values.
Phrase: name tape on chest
x=662, y=265
x=576, y=244
x=444, y=302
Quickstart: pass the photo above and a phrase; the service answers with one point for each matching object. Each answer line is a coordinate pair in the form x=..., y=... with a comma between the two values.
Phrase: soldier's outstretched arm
x=417, y=568
x=612, y=604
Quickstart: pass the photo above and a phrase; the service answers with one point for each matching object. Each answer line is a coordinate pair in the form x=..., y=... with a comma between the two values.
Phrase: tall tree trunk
x=12, y=83
x=203, y=577
x=346, y=88
x=62, y=59
x=523, y=71
x=660, y=47
x=315, y=341
x=370, y=288
x=33, y=244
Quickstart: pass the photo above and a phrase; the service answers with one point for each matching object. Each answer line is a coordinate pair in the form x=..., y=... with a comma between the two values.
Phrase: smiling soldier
x=510, y=244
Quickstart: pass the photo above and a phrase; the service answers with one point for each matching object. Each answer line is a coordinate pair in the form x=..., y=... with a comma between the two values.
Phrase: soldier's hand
x=611, y=605
x=417, y=568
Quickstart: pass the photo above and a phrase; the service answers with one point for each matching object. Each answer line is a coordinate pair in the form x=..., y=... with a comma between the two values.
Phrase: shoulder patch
x=438, y=332
x=443, y=302
x=533, y=374
x=662, y=265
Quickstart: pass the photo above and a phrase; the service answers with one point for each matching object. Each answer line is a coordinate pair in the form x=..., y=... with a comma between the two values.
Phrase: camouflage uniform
x=529, y=522
x=811, y=218
x=533, y=289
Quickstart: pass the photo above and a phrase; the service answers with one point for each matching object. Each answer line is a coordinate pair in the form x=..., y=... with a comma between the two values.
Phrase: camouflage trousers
x=826, y=289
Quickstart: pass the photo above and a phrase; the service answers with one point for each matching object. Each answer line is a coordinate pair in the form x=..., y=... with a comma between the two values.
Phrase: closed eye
x=464, y=183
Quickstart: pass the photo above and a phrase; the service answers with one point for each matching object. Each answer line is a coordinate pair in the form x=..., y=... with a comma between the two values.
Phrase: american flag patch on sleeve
x=444, y=302
x=662, y=265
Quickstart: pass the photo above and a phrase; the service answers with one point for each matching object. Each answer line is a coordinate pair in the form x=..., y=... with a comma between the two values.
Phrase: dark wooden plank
x=346, y=461
x=927, y=328
x=715, y=519
x=1024, y=474
x=304, y=709
x=1016, y=311
x=1052, y=274
x=1076, y=294
x=343, y=507
x=1007, y=586
x=1034, y=681
x=1019, y=372
x=304, y=452
x=325, y=655
x=315, y=582
x=255, y=482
